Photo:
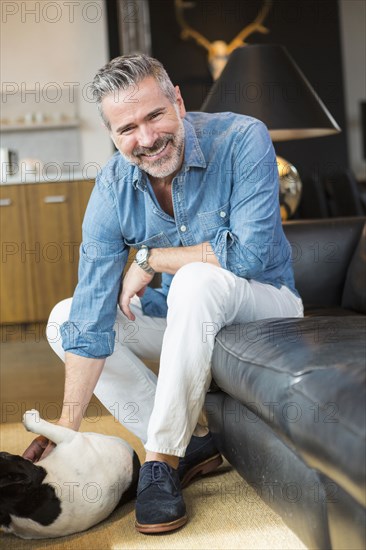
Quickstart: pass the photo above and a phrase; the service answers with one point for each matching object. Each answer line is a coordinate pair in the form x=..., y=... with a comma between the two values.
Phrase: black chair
x=313, y=204
x=343, y=195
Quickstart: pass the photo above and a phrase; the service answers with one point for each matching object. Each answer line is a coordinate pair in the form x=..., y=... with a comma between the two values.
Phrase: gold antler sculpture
x=219, y=51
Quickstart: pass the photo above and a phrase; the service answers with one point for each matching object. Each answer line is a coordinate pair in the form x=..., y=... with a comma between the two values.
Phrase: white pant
x=163, y=411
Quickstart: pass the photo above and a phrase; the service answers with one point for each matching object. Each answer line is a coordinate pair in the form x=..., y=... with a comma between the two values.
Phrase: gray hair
x=128, y=70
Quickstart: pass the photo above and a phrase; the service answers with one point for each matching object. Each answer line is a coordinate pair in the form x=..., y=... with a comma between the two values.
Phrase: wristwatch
x=142, y=260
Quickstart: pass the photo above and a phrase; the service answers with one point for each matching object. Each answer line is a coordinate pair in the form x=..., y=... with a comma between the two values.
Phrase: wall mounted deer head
x=219, y=51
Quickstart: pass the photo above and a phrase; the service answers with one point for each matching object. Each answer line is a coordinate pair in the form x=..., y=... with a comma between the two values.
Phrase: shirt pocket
x=160, y=240
x=214, y=218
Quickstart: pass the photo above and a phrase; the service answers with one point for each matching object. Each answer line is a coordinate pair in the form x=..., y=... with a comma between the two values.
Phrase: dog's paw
x=30, y=419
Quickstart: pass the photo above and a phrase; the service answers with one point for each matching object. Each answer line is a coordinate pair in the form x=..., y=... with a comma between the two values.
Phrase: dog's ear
x=17, y=471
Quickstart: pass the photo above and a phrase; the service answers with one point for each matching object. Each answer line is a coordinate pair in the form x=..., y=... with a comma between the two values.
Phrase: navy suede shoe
x=159, y=505
x=201, y=458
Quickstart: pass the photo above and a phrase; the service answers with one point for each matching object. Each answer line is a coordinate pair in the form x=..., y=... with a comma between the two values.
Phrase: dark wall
x=309, y=29
x=113, y=28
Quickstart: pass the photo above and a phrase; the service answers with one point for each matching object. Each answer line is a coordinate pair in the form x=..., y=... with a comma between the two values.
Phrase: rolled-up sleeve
x=246, y=247
x=103, y=255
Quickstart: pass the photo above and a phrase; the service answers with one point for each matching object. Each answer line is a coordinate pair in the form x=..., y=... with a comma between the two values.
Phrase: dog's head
x=18, y=480
x=22, y=492
x=18, y=474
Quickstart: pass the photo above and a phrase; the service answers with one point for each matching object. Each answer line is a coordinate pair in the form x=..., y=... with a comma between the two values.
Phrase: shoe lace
x=158, y=470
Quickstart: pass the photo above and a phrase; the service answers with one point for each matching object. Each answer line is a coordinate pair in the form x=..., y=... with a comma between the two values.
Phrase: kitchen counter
x=41, y=177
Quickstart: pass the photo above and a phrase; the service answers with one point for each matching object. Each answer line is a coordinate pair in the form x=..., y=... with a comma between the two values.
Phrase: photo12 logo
x=51, y=12
x=50, y=92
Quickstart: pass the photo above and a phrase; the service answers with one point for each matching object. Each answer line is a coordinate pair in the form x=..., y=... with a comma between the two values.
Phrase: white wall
x=61, y=42
x=353, y=33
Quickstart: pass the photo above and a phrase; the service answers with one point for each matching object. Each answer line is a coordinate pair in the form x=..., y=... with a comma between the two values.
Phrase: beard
x=169, y=163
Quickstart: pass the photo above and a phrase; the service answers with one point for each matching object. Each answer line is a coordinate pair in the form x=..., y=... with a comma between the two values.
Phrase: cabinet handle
x=5, y=202
x=54, y=199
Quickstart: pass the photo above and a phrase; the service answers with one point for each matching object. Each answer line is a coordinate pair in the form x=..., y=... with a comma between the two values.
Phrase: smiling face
x=147, y=128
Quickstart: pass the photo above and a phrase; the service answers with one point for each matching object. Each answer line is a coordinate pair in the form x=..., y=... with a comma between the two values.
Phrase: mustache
x=159, y=144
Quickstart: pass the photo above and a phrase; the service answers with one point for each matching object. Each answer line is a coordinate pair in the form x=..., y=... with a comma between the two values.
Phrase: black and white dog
x=76, y=486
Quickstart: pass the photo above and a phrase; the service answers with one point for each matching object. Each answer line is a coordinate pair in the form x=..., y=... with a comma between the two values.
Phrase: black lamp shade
x=264, y=82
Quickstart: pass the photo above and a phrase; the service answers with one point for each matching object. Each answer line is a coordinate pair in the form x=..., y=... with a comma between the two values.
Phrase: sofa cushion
x=306, y=379
x=330, y=311
x=354, y=293
x=321, y=253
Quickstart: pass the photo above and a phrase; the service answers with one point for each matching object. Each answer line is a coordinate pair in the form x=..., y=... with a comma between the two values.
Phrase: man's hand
x=38, y=449
x=134, y=283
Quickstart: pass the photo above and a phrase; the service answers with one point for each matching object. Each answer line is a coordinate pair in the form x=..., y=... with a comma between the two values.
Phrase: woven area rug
x=224, y=511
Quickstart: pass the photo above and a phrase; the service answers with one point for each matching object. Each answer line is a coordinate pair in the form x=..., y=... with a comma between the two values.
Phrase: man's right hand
x=38, y=449
x=134, y=282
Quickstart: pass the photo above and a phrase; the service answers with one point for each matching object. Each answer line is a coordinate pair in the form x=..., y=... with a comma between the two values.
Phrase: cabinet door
x=16, y=282
x=54, y=236
x=85, y=188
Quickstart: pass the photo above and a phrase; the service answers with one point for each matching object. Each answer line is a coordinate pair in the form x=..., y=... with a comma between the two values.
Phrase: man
x=197, y=195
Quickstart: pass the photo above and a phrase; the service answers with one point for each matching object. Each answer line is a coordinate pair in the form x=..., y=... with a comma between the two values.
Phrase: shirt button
x=222, y=214
x=183, y=228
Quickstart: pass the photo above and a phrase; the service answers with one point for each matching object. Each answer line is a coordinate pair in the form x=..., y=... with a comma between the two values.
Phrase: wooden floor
x=32, y=376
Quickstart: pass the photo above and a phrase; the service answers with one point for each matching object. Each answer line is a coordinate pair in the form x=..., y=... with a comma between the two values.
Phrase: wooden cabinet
x=16, y=302
x=40, y=235
x=54, y=237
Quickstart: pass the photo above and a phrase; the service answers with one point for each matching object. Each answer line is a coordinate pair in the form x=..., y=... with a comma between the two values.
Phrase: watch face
x=141, y=254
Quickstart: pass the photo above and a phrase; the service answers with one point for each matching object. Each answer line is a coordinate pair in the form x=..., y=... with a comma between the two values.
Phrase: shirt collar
x=193, y=156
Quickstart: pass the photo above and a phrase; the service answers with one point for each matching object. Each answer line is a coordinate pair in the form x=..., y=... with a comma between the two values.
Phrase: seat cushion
x=306, y=379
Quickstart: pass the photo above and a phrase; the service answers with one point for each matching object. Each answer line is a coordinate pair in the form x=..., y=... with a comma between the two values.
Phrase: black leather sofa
x=288, y=409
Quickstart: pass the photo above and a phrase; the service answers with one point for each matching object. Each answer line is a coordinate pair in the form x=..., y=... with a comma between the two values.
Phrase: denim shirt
x=226, y=193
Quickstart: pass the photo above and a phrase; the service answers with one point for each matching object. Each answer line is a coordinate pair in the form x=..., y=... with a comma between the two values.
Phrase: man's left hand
x=134, y=283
